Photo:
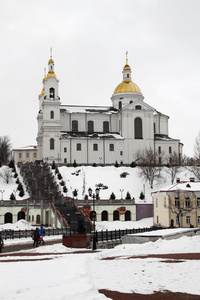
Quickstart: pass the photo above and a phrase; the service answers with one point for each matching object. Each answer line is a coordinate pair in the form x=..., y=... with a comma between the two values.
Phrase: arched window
x=51, y=144
x=127, y=75
x=131, y=101
x=51, y=92
x=120, y=104
x=90, y=126
x=52, y=114
x=74, y=125
x=138, y=128
x=104, y=215
x=127, y=215
x=21, y=215
x=8, y=217
x=105, y=126
x=38, y=219
x=115, y=215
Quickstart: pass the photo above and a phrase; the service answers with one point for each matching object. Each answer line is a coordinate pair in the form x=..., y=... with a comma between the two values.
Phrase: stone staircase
x=41, y=184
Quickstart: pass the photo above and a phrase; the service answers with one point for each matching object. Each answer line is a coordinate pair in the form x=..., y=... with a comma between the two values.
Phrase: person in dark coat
x=36, y=237
x=1, y=242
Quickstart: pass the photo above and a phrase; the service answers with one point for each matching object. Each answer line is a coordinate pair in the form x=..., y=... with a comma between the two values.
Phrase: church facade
x=100, y=134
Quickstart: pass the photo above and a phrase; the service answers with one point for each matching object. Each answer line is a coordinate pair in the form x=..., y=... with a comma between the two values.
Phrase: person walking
x=36, y=237
x=41, y=235
x=1, y=243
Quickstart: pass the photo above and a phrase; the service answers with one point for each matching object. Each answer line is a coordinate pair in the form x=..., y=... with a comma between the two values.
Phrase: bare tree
x=5, y=149
x=174, y=166
x=181, y=203
x=195, y=162
x=149, y=163
x=6, y=173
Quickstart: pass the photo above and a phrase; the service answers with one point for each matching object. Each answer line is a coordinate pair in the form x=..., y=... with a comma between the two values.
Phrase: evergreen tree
x=12, y=197
x=59, y=176
x=62, y=183
x=21, y=193
x=142, y=196
x=53, y=165
x=128, y=196
x=112, y=196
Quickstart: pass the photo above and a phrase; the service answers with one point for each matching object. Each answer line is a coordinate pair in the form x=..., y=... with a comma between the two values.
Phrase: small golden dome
x=50, y=75
x=127, y=86
x=42, y=93
x=51, y=61
x=127, y=67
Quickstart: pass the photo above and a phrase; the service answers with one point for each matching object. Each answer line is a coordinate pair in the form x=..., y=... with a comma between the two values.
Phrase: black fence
x=109, y=235
x=101, y=236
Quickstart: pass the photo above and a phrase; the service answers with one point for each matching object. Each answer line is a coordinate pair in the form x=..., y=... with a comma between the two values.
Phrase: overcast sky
x=89, y=40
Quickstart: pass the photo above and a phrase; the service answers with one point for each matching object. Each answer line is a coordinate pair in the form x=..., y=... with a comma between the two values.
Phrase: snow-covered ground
x=80, y=276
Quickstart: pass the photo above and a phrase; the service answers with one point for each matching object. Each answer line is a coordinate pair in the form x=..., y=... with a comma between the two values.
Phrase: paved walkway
x=28, y=245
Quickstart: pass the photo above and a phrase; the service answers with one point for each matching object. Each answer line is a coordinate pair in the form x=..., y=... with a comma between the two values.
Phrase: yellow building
x=178, y=205
x=25, y=154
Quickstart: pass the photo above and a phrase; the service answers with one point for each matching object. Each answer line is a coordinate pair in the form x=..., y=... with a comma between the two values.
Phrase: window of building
x=27, y=155
x=165, y=202
x=34, y=155
x=127, y=75
x=157, y=219
x=187, y=202
x=120, y=105
x=198, y=219
x=138, y=107
x=121, y=153
x=160, y=161
x=20, y=155
x=177, y=203
x=105, y=126
x=51, y=144
x=90, y=126
x=52, y=114
x=188, y=220
x=170, y=160
x=154, y=127
x=78, y=147
x=138, y=128
x=156, y=202
x=65, y=160
x=111, y=147
x=95, y=147
x=198, y=202
x=51, y=92
x=65, y=149
x=32, y=218
x=74, y=125
x=170, y=150
x=159, y=149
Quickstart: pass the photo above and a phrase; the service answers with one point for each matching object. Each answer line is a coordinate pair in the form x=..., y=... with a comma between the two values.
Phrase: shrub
x=112, y=196
x=21, y=193
x=124, y=174
x=142, y=196
x=128, y=195
x=116, y=164
x=12, y=197
x=59, y=176
x=53, y=165
x=62, y=183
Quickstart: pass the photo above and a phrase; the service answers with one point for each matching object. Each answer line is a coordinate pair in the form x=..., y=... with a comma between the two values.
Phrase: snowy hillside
x=83, y=178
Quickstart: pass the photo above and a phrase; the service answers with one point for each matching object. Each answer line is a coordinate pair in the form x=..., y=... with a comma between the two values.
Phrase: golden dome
x=127, y=67
x=50, y=75
x=51, y=61
x=127, y=86
x=42, y=93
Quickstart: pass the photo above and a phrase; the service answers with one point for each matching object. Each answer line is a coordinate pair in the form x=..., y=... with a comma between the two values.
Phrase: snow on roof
x=88, y=109
x=95, y=135
x=31, y=147
x=186, y=186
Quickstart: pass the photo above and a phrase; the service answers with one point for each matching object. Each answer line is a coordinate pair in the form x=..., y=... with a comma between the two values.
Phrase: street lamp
x=94, y=196
x=2, y=191
x=121, y=190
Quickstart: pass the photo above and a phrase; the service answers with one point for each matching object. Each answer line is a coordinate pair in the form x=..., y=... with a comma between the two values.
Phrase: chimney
x=192, y=179
x=178, y=180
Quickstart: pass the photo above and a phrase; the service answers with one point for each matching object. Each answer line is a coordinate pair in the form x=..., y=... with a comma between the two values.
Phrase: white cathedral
x=100, y=134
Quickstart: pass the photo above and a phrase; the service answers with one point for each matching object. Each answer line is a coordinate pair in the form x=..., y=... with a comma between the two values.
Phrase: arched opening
x=8, y=218
x=51, y=144
x=104, y=215
x=120, y=105
x=93, y=215
x=127, y=215
x=138, y=128
x=51, y=92
x=90, y=126
x=74, y=125
x=105, y=126
x=115, y=215
x=38, y=219
x=21, y=215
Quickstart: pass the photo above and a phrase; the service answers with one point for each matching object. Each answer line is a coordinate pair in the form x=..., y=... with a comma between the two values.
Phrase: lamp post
x=121, y=190
x=94, y=196
x=2, y=191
